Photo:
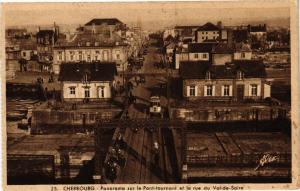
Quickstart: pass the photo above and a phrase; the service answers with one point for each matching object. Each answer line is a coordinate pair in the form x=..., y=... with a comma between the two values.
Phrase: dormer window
x=208, y=75
x=240, y=75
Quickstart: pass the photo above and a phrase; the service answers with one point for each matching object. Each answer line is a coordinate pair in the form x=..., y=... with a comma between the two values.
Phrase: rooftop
x=108, y=21
x=242, y=47
x=223, y=143
x=223, y=48
x=208, y=27
x=96, y=71
x=197, y=70
x=47, y=144
x=45, y=32
x=187, y=27
x=258, y=28
x=91, y=40
x=200, y=47
x=28, y=44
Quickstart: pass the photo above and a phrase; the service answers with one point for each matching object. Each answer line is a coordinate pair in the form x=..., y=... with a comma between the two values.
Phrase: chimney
x=220, y=25
x=68, y=36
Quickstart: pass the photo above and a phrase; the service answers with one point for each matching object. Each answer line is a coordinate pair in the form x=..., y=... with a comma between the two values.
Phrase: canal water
x=18, y=109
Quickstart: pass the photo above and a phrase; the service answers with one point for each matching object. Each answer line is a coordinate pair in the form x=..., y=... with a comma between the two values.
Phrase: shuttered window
x=225, y=90
x=192, y=91
x=253, y=90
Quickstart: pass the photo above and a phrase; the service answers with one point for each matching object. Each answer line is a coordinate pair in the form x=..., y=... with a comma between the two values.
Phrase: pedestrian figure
x=121, y=159
x=156, y=152
x=112, y=174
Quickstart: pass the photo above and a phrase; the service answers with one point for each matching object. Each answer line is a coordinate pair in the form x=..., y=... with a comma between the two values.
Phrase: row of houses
x=89, y=61
x=217, y=33
x=216, y=66
x=104, y=39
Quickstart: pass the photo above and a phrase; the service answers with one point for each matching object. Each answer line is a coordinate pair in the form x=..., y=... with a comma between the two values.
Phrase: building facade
x=208, y=33
x=90, y=51
x=87, y=82
x=236, y=81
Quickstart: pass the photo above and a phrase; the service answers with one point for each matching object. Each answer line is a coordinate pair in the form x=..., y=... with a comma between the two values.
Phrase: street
x=141, y=166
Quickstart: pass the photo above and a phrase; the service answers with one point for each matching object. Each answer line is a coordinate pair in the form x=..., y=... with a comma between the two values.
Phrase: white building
x=208, y=33
x=89, y=81
x=89, y=48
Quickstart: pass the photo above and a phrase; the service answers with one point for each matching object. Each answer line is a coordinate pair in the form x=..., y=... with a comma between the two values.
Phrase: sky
x=151, y=15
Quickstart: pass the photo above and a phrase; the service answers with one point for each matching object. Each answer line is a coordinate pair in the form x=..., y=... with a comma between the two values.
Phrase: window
x=253, y=89
x=59, y=55
x=88, y=58
x=24, y=53
x=71, y=55
x=72, y=90
x=105, y=55
x=101, y=92
x=80, y=55
x=118, y=55
x=97, y=55
x=192, y=91
x=208, y=75
x=204, y=55
x=226, y=90
x=243, y=55
x=203, y=38
x=87, y=92
x=209, y=90
x=240, y=75
x=196, y=55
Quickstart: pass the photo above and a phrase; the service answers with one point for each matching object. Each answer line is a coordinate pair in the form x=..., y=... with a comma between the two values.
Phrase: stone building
x=87, y=81
x=234, y=81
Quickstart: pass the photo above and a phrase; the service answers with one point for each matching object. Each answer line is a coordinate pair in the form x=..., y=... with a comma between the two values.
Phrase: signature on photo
x=266, y=159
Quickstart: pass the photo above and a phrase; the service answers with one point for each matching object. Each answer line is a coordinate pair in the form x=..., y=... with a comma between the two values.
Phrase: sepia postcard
x=162, y=95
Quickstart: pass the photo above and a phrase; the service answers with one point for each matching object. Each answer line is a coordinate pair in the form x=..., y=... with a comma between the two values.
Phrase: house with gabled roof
x=208, y=33
x=242, y=51
x=87, y=81
x=222, y=53
x=234, y=81
x=200, y=51
x=193, y=52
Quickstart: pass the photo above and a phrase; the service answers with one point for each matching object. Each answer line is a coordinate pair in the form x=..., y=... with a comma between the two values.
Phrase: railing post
x=184, y=176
